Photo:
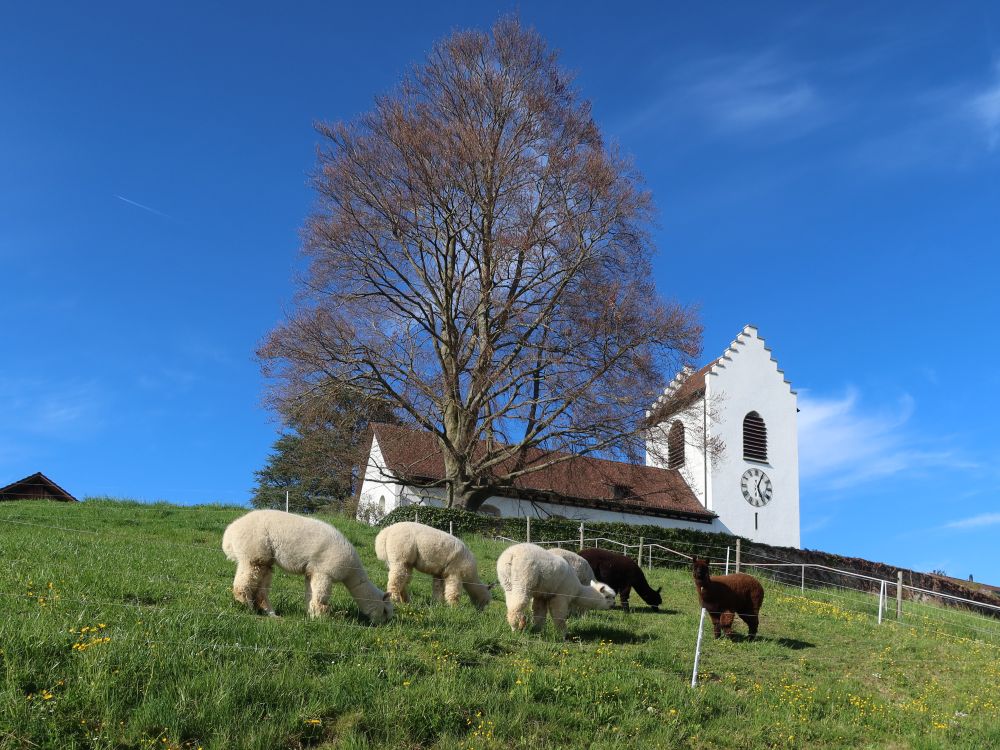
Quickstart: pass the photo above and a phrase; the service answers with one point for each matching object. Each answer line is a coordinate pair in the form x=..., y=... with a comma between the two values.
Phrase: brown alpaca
x=724, y=597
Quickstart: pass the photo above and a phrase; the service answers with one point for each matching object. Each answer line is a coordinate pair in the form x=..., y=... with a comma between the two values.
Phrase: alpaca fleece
x=262, y=539
x=724, y=597
x=622, y=574
x=410, y=546
x=534, y=578
x=585, y=574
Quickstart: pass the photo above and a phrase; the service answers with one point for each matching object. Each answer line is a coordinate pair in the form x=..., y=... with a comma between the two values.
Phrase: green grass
x=119, y=631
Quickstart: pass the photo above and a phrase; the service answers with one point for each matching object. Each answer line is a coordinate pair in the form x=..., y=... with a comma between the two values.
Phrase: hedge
x=688, y=541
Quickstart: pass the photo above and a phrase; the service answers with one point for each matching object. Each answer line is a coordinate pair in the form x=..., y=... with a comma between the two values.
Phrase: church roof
x=582, y=481
x=35, y=487
x=689, y=384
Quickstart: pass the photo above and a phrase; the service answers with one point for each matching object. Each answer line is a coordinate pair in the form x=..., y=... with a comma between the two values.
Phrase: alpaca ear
x=659, y=589
x=386, y=596
x=491, y=586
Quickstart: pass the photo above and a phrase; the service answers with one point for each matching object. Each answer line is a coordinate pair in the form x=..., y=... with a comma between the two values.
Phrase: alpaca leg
x=752, y=622
x=399, y=580
x=559, y=609
x=321, y=585
x=715, y=623
x=437, y=588
x=726, y=621
x=539, y=608
x=246, y=583
x=452, y=590
x=624, y=594
x=517, y=610
x=264, y=588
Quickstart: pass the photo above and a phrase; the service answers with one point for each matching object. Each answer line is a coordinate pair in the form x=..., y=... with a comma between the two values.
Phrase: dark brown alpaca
x=724, y=597
x=622, y=574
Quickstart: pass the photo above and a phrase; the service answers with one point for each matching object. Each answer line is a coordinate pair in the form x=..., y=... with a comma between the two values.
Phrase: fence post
x=451, y=528
x=642, y=539
x=527, y=528
x=727, y=560
x=649, y=558
x=581, y=535
x=697, y=650
x=738, y=555
x=416, y=516
x=286, y=501
x=881, y=599
x=899, y=595
x=803, y=578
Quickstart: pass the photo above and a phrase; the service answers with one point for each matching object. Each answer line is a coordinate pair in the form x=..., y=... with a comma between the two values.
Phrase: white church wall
x=747, y=379
x=379, y=493
x=693, y=470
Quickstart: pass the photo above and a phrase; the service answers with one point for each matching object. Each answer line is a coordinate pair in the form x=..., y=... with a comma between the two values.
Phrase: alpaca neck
x=367, y=596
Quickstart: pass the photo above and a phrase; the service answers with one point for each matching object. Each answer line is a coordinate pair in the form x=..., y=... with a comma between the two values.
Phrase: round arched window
x=754, y=437
x=675, y=446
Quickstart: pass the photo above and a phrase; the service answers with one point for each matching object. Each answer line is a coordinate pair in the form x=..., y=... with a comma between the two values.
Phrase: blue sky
x=826, y=172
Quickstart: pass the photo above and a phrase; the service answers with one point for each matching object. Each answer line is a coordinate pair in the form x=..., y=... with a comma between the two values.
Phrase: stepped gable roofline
x=414, y=456
x=35, y=487
x=689, y=385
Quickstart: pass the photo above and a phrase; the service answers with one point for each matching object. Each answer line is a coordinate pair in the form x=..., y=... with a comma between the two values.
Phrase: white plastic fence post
x=416, y=516
x=738, y=555
x=451, y=528
x=697, y=650
x=581, y=535
x=727, y=560
x=641, y=541
x=899, y=595
x=286, y=501
x=527, y=529
x=803, y=578
x=881, y=601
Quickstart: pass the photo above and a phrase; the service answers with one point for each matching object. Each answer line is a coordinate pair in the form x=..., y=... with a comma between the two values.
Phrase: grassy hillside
x=119, y=631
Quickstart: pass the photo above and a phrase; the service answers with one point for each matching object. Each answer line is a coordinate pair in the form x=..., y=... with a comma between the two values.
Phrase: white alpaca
x=533, y=577
x=585, y=574
x=410, y=546
x=264, y=538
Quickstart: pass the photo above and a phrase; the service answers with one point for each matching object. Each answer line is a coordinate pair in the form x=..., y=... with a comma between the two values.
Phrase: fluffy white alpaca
x=585, y=574
x=533, y=577
x=410, y=546
x=264, y=538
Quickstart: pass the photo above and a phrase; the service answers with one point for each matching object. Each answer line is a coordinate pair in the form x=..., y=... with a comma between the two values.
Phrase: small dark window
x=754, y=437
x=675, y=446
x=624, y=492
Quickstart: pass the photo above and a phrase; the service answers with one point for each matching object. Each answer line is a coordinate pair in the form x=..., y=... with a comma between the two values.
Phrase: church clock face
x=756, y=486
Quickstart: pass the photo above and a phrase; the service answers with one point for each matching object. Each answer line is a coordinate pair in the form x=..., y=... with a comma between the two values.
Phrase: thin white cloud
x=748, y=94
x=49, y=408
x=984, y=106
x=736, y=95
x=846, y=444
x=143, y=207
x=975, y=522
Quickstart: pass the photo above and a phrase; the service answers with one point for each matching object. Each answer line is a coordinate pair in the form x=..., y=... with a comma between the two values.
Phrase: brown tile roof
x=582, y=481
x=692, y=387
x=36, y=487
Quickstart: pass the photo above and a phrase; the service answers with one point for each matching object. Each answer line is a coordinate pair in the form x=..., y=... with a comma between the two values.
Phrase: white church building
x=722, y=455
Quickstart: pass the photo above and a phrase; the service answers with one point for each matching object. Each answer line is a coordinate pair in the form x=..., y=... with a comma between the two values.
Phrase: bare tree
x=480, y=259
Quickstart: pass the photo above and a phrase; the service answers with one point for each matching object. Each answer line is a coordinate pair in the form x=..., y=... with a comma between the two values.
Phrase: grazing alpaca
x=534, y=578
x=410, y=546
x=724, y=597
x=622, y=574
x=585, y=574
x=262, y=539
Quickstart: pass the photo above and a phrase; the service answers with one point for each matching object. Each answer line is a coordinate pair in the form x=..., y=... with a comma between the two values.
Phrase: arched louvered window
x=754, y=437
x=675, y=446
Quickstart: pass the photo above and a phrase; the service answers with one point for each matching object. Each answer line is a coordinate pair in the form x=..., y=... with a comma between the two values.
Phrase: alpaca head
x=379, y=611
x=655, y=599
x=480, y=594
x=701, y=573
x=606, y=591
